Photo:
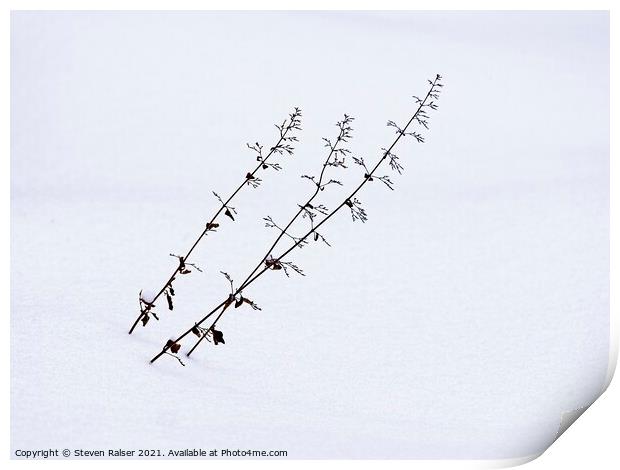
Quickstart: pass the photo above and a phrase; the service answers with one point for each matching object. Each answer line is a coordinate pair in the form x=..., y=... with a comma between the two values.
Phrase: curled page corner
x=568, y=418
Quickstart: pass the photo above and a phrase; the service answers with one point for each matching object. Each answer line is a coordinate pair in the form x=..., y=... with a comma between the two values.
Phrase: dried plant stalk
x=283, y=146
x=268, y=262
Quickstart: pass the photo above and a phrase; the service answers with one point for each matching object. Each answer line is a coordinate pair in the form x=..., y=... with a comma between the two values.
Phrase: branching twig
x=269, y=222
x=357, y=211
x=176, y=357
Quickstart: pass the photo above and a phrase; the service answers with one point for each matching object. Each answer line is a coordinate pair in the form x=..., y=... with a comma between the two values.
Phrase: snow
x=148, y=295
x=460, y=321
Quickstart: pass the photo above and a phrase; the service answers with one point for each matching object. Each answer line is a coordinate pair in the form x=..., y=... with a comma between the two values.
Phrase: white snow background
x=461, y=321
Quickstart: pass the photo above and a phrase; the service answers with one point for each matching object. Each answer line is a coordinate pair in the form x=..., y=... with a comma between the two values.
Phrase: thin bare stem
x=293, y=123
x=343, y=136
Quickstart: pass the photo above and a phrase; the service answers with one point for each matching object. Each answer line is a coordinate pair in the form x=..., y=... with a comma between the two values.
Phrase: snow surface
x=461, y=321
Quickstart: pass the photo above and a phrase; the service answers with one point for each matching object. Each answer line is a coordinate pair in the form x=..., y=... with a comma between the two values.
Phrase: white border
x=588, y=443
